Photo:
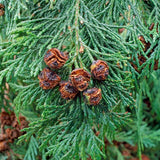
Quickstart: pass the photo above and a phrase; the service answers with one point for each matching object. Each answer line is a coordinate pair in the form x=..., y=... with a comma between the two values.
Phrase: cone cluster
x=78, y=79
x=10, y=128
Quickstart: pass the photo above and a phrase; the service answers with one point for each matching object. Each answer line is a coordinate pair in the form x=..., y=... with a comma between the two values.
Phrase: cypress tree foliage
x=87, y=31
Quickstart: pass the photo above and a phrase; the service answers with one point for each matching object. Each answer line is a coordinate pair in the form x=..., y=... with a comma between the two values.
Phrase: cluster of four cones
x=78, y=79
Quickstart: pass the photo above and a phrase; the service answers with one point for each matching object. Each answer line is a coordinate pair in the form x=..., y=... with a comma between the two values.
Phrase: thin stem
x=77, y=27
x=77, y=31
x=76, y=63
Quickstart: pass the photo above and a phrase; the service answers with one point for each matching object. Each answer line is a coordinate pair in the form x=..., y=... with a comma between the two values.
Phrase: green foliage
x=32, y=151
x=62, y=129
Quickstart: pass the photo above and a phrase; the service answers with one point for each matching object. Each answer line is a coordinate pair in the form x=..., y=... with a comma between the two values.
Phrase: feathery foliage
x=61, y=129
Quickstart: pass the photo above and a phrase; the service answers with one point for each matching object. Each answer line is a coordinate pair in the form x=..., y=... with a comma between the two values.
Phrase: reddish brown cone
x=93, y=96
x=99, y=70
x=48, y=79
x=67, y=90
x=80, y=79
x=55, y=59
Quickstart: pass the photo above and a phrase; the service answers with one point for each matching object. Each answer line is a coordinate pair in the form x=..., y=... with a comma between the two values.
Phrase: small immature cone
x=80, y=79
x=48, y=79
x=99, y=70
x=67, y=90
x=55, y=59
x=93, y=96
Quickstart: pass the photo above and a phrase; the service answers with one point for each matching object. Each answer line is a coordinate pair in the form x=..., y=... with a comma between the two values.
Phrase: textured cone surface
x=67, y=90
x=92, y=96
x=99, y=70
x=55, y=59
x=48, y=79
x=80, y=79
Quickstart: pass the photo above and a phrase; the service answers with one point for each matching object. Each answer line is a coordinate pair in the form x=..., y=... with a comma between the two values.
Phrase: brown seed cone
x=93, y=96
x=4, y=146
x=12, y=133
x=55, y=59
x=80, y=79
x=48, y=79
x=99, y=70
x=67, y=90
x=5, y=118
